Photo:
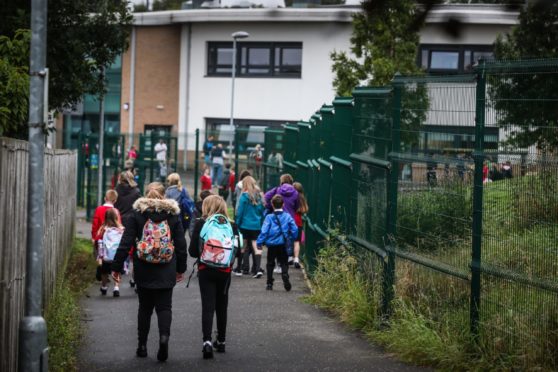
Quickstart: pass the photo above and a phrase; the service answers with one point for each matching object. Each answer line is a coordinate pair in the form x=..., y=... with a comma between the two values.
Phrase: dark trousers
x=161, y=300
x=278, y=252
x=214, y=290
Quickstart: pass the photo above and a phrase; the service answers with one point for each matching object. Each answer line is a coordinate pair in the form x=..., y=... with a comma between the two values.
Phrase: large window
x=452, y=58
x=255, y=59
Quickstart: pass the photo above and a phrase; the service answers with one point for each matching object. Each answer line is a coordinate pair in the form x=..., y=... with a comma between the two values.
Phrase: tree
x=526, y=103
x=385, y=41
x=14, y=83
x=82, y=38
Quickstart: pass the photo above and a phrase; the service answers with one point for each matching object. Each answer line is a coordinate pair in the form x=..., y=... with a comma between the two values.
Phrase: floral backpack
x=155, y=245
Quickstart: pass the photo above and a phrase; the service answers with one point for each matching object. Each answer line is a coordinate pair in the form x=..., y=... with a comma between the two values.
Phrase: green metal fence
x=448, y=187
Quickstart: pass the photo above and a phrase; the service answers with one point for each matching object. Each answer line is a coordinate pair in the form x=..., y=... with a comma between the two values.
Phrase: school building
x=176, y=75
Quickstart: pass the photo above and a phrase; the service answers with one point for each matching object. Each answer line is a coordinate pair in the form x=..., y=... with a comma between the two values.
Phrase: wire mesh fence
x=451, y=183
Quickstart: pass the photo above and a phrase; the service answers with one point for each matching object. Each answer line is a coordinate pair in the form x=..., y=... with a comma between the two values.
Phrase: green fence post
x=478, y=156
x=196, y=163
x=392, y=190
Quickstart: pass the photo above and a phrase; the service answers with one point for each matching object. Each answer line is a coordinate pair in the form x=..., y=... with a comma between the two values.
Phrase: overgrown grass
x=63, y=312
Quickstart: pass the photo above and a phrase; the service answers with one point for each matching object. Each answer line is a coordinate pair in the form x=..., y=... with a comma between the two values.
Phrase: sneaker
x=104, y=291
x=246, y=272
x=277, y=270
x=116, y=292
x=269, y=287
x=207, y=350
x=163, y=353
x=259, y=274
x=297, y=265
x=132, y=283
x=237, y=273
x=287, y=285
x=141, y=351
x=219, y=346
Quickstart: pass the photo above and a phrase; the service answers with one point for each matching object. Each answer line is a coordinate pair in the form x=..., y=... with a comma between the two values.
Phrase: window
x=452, y=58
x=255, y=59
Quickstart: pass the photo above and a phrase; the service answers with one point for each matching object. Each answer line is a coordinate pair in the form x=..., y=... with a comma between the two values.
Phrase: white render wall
x=264, y=98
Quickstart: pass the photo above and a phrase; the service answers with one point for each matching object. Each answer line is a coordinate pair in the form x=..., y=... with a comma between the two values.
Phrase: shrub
x=535, y=199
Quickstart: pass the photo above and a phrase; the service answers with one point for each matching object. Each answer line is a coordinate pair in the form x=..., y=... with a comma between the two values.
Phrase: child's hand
x=179, y=277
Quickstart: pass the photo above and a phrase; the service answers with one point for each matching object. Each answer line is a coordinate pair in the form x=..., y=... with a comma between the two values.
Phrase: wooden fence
x=60, y=170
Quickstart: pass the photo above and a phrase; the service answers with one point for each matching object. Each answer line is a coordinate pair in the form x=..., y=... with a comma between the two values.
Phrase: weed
x=63, y=312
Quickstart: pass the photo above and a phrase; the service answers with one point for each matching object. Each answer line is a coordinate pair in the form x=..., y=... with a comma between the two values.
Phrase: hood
x=286, y=190
x=169, y=206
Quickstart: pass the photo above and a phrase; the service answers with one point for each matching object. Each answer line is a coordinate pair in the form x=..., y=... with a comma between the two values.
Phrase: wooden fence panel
x=60, y=170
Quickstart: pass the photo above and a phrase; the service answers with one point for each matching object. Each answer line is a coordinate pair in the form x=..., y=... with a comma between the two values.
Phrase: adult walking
x=217, y=162
x=128, y=193
x=159, y=263
x=214, y=282
x=249, y=216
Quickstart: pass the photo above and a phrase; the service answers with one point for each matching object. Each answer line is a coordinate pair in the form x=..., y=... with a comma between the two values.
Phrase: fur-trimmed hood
x=157, y=205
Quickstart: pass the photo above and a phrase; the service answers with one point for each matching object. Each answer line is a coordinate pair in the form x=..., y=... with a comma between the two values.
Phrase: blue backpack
x=218, y=248
x=187, y=207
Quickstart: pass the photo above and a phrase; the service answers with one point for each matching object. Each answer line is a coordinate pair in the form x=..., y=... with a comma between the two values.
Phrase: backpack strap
x=281, y=229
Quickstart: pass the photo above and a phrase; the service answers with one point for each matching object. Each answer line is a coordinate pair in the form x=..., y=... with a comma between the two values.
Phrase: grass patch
x=63, y=313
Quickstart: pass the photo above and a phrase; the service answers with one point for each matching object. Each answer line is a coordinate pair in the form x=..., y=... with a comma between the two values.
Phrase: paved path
x=267, y=331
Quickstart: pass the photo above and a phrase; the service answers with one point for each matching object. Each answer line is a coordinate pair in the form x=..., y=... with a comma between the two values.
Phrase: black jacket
x=127, y=195
x=149, y=275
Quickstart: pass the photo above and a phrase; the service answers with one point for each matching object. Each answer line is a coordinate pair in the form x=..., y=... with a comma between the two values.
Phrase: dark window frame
x=242, y=71
x=461, y=49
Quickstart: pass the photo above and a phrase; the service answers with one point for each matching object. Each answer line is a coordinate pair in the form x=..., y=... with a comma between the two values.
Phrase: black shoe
x=287, y=285
x=246, y=272
x=141, y=351
x=219, y=346
x=269, y=287
x=98, y=274
x=207, y=350
x=163, y=353
x=297, y=265
x=103, y=291
x=116, y=293
x=259, y=274
x=132, y=283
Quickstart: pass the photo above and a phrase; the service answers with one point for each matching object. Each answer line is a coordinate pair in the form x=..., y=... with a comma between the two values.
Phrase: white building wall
x=265, y=98
x=470, y=34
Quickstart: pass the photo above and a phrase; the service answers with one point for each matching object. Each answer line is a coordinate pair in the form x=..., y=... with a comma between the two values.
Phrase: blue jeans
x=217, y=174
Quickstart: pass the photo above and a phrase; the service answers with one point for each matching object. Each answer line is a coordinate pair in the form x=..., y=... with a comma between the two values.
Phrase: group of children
x=152, y=238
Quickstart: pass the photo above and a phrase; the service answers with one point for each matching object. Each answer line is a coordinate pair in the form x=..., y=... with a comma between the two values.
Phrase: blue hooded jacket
x=271, y=232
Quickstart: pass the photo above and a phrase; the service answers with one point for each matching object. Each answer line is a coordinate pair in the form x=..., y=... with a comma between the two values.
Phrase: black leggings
x=214, y=290
x=161, y=300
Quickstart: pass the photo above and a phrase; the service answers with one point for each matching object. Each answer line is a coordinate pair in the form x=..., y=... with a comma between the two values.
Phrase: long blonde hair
x=302, y=203
x=174, y=180
x=155, y=190
x=127, y=177
x=250, y=186
x=214, y=204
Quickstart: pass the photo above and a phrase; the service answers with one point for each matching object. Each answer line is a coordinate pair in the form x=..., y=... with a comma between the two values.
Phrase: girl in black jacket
x=155, y=281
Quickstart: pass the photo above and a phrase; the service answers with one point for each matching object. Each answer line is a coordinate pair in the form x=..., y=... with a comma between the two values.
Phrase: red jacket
x=232, y=184
x=205, y=182
x=99, y=218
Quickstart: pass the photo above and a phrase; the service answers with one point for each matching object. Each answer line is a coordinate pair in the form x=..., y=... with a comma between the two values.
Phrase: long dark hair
x=302, y=202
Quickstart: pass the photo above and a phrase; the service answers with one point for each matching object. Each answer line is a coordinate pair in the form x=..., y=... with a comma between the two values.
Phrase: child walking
x=108, y=238
x=111, y=197
x=249, y=215
x=278, y=230
x=216, y=237
x=301, y=211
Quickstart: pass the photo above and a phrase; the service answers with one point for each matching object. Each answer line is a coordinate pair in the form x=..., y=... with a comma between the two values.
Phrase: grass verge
x=63, y=312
